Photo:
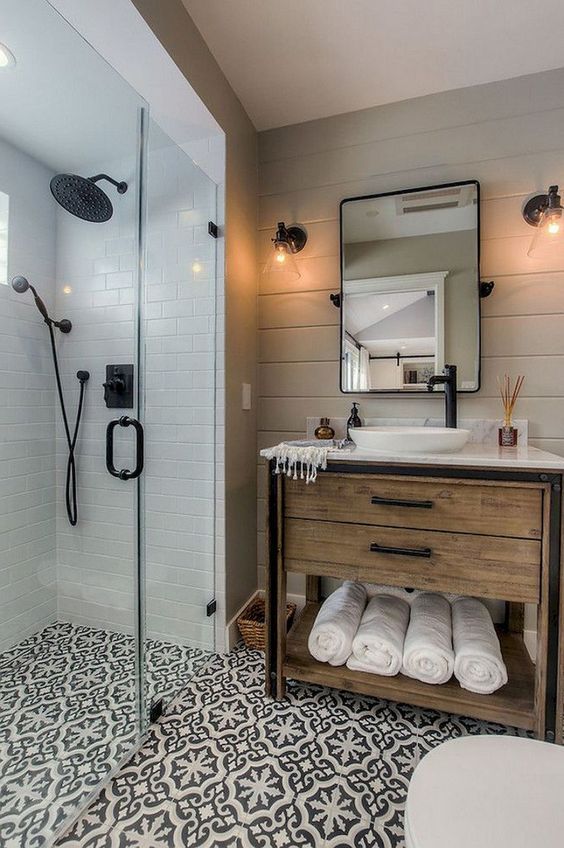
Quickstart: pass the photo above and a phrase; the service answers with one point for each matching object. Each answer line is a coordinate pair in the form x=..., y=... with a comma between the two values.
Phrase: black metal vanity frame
x=555, y=480
x=478, y=283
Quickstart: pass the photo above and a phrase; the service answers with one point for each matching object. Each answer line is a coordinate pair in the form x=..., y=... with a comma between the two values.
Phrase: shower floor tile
x=225, y=766
x=68, y=718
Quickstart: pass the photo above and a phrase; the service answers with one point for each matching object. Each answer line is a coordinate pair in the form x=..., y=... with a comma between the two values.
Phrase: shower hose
x=70, y=484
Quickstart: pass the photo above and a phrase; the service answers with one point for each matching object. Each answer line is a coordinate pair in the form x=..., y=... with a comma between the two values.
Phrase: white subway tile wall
x=88, y=273
x=97, y=264
x=96, y=559
x=28, y=597
x=180, y=386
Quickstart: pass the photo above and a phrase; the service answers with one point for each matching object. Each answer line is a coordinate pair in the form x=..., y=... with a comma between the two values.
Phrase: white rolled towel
x=330, y=638
x=478, y=663
x=427, y=652
x=378, y=645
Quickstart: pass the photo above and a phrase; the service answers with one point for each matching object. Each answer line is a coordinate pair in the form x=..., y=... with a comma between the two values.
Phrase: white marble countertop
x=477, y=455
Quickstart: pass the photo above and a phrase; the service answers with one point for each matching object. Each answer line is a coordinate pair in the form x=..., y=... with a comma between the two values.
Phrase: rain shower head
x=83, y=198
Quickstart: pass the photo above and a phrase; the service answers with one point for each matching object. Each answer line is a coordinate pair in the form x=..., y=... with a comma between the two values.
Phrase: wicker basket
x=252, y=623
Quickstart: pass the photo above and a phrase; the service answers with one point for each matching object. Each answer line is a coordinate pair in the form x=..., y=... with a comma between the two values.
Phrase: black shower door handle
x=124, y=473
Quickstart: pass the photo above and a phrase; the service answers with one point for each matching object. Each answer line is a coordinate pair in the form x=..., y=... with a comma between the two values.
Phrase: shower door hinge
x=213, y=229
x=211, y=607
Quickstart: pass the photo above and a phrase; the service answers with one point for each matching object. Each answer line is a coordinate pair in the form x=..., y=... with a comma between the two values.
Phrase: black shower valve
x=117, y=384
x=118, y=387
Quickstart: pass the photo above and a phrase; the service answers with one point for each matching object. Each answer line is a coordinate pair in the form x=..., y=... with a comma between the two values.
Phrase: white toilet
x=487, y=792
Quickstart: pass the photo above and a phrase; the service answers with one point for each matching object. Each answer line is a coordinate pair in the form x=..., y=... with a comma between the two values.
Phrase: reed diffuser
x=507, y=434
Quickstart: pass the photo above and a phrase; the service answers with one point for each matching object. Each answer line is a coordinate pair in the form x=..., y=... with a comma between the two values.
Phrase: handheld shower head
x=20, y=285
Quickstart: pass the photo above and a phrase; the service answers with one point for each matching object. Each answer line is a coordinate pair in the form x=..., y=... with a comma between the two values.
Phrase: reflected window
x=4, y=205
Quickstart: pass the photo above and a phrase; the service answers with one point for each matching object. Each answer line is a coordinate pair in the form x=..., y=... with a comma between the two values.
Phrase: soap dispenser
x=354, y=419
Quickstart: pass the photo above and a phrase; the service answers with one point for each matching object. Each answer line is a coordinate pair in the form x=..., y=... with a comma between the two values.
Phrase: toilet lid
x=488, y=792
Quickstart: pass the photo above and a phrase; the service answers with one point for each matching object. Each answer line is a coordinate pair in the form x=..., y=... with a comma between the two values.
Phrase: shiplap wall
x=509, y=136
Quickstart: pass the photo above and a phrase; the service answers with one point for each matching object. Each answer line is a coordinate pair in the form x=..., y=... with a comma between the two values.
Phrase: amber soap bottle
x=324, y=431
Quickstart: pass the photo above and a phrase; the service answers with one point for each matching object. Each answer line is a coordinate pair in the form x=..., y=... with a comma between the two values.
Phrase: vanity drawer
x=461, y=506
x=486, y=566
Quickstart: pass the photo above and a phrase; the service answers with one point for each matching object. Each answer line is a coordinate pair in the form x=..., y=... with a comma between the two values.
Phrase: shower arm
x=121, y=186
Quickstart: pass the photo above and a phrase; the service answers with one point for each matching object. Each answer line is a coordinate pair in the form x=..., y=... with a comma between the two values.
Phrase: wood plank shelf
x=513, y=704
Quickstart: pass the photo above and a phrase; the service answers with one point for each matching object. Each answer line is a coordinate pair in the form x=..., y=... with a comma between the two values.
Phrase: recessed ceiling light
x=7, y=58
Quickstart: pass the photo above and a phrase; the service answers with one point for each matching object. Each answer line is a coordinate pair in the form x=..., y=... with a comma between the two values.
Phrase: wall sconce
x=544, y=211
x=287, y=242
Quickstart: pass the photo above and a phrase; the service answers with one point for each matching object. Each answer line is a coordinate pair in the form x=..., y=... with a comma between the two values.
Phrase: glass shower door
x=177, y=397
x=69, y=658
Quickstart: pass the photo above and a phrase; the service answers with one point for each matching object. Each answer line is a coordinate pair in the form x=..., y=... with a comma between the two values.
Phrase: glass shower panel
x=69, y=690
x=178, y=399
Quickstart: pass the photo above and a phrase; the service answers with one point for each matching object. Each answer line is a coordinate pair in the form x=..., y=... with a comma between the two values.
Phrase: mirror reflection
x=410, y=289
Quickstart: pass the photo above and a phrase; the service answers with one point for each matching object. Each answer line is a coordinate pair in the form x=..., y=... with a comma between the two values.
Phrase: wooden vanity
x=482, y=531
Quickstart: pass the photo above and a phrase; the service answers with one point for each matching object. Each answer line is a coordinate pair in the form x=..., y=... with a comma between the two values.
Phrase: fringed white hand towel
x=331, y=636
x=428, y=653
x=478, y=664
x=378, y=645
x=301, y=460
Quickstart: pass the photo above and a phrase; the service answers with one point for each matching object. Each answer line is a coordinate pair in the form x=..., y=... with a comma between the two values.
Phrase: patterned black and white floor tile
x=228, y=767
x=68, y=716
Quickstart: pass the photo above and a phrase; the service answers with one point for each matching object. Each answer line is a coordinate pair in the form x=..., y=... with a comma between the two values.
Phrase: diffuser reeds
x=509, y=396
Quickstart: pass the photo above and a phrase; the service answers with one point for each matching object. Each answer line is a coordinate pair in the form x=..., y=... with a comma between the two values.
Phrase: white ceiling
x=366, y=310
x=303, y=59
x=61, y=103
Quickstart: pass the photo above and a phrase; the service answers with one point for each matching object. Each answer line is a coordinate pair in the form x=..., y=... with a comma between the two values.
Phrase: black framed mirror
x=410, y=288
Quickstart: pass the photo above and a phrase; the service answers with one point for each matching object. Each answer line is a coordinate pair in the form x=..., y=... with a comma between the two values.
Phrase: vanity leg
x=313, y=589
x=281, y=636
x=550, y=594
x=271, y=586
x=514, y=617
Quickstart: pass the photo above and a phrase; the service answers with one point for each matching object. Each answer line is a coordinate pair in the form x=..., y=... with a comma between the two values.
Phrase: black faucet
x=448, y=378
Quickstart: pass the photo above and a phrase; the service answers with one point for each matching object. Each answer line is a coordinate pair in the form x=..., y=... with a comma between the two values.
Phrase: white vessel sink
x=409, y=439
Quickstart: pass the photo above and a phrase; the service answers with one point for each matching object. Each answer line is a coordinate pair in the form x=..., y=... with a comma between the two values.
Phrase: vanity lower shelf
x=513, y=705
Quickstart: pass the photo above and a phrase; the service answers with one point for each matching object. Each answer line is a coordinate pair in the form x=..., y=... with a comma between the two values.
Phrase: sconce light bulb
x=386, y=306
x=553, y=227
x=280, y=256
x=67, y=290
x=196, y=267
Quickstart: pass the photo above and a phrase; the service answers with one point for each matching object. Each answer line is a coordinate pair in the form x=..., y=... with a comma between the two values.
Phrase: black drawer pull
x=399, y=502
x=414, y=552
